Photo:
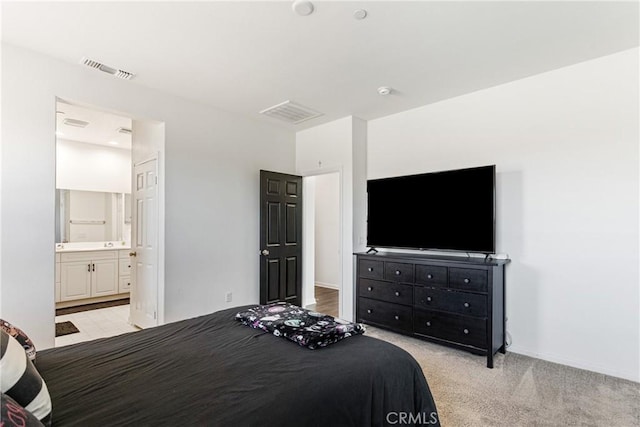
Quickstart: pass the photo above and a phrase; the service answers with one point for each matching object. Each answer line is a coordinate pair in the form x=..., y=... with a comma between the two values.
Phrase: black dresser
x=455, y=301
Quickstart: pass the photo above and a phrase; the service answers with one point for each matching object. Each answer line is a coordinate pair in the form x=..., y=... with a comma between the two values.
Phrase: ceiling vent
x=291, y=112
x=75, y=123
x=121, y=74
x=124, y=131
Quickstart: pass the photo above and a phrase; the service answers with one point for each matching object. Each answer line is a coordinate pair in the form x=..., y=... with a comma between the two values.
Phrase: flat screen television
x=452, y=210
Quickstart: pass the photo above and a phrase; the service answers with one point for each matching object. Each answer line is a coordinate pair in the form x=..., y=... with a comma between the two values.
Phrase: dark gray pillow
x=21, y=381
x=14, y=415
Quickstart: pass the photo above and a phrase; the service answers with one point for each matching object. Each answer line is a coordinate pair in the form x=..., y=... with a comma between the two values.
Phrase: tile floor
x=100, y=323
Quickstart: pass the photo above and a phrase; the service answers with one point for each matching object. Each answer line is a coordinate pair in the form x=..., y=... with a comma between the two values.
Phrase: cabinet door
x=104, y=280
x=75, y=280
x=125, y=284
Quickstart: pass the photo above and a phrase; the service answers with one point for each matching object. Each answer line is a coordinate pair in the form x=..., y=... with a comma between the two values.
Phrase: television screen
x=450, y=210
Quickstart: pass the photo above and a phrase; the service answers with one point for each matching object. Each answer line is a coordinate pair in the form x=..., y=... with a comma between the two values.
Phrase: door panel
x=280, y=237
x=273, y=211
x=273, y=278
x=144, y=262
x=292, y=274
x=75, y=280
x=104, y=280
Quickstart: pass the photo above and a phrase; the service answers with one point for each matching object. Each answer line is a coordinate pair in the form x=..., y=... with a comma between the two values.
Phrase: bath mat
x=65, y=328
x=94, y=306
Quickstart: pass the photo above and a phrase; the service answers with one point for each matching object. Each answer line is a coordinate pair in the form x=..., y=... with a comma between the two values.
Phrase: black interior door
x=280, y=238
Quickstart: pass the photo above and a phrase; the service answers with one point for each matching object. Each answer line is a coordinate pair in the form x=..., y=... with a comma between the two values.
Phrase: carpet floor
x=519, y=390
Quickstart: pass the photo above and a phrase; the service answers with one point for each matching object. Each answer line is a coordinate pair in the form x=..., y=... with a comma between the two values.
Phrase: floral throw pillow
x=304, y=327
x=21, y=337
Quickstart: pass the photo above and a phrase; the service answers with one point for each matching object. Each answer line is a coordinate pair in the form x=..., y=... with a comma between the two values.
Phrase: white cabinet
x=88, y=275
x=75, y=280
x=104, y=277
x=124, y=284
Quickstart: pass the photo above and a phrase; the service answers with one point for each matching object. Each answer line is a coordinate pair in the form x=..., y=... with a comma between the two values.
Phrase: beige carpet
x=519, y=391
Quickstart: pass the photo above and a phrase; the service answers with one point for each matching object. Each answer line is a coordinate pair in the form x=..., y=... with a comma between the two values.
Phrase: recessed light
x=302, y=7
x=113, y=142
x=359, y=14
x=384, y=90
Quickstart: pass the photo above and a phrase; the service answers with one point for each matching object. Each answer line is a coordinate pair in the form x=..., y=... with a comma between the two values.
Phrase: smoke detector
x=291, y=112
x=359, y=14
x=75, y=123
x=302, y=7
x=384, y=90
x=121, y=74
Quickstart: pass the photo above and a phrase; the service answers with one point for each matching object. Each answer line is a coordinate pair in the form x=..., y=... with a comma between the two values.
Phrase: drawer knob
x=466, y=331
x=370, y=269
x=396, y=317
x=467, y=280
x=397, y=272
x=397, y=293
x=429, y=276
x=429, y=299
x=466, y=304
x=369, y=311
x=369, y=288
x=428, y=323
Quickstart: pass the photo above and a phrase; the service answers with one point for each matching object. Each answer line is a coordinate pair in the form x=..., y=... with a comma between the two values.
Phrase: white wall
x=212, y=163
x=89, y=206
x=339, y=146
x=327, y=230
x=565, y=144
x=91, y=167
x=308, y=240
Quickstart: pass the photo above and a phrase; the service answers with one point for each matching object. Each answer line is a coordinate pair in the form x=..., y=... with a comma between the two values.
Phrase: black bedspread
x=214, y=371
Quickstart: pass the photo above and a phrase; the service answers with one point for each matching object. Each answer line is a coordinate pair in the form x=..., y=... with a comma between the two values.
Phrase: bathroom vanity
x=91, y=273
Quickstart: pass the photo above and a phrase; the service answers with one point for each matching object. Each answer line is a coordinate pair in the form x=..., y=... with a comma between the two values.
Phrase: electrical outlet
x=228, y=297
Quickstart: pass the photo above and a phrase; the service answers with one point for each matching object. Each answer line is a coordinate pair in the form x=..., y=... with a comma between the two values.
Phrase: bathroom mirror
x=92, y=216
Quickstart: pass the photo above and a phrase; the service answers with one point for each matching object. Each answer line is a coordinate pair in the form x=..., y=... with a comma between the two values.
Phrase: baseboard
x=328, y=285
x=579, y=365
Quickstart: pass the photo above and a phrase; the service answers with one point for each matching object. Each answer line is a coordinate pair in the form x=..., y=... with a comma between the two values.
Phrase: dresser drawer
x=124, y=266
x=124, y=284
x=398, y=272
x=394, y=316
x=455, y=302
x=451, y=327
x=87, y=255
x=371, y=269
x=468, y=279
x=392, y=292
x=431, y=275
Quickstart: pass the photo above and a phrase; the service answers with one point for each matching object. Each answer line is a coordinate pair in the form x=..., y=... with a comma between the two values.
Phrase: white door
x=144, y=242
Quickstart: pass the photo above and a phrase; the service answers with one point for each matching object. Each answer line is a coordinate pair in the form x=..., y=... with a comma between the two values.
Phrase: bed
x=212, y=370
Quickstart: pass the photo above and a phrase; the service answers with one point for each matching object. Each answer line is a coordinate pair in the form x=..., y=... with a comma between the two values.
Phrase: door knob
x=133, y=253
x=265, y=252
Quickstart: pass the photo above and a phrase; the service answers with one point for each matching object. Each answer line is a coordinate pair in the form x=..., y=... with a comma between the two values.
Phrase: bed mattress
x=212, y=370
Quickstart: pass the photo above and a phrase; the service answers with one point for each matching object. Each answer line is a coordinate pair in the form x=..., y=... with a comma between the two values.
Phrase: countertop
x=90, y=247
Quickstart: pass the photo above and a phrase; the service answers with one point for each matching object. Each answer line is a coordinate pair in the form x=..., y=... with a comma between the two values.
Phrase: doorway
x=95, y=276
x=323, y=242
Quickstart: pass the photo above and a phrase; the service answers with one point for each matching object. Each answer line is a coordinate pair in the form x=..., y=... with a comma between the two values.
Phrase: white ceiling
x=246, y=56
x=102, y=128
